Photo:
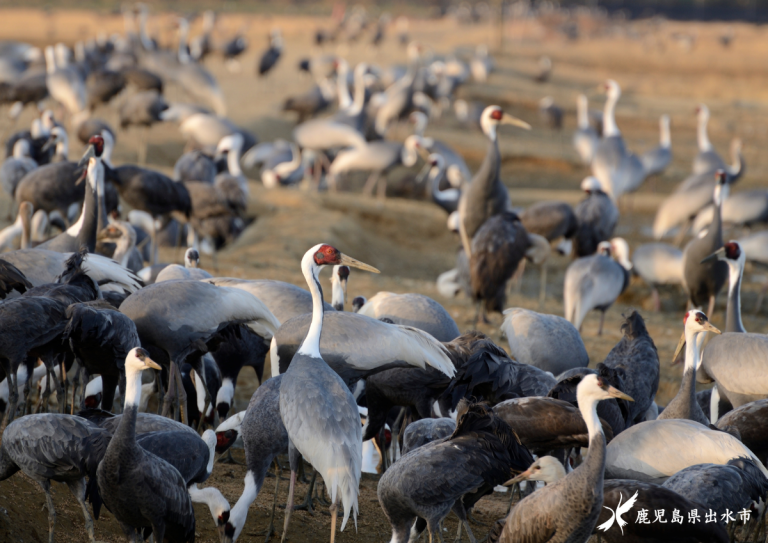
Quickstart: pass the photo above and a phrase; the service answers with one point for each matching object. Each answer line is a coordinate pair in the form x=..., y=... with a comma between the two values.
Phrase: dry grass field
x=407, y=239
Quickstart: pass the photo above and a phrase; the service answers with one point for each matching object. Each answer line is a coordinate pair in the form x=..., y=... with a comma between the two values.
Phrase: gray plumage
x=142, y=490
x=356, y=346
x=182, y=449
x=658, y=264
x=264, y=437
x=550, y=219
x=546, y=341
x=14, y=168
x=431, y=480
x=421, y=432
x=415, y=310
x=52, y=187
x=656, y=160
x=596, y=216
x=194, y=166
x=174, y=272
x=284, y=300
x=735, y=486
x=592, y=282
x=748, y=208
x=750, y=420
x=53, y=447
x=636, y=355
x=142, y=109
x=145, y=422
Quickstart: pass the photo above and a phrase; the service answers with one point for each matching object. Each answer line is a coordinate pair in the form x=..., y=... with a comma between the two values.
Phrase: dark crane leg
x=78, y=491
x=602, y=320
x=293, y=457
x=270, y=531
x=46, y=486
x=711, y=307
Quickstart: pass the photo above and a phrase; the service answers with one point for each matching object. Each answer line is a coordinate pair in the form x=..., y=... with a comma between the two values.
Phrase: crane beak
x=616, y=393
x=349, y=261
x=89, y=152
x=709, y=327
x=717, y=255
x=48, y=144
x=522, y=477
x=506, y=118
x=680, y=345
x=152, y=364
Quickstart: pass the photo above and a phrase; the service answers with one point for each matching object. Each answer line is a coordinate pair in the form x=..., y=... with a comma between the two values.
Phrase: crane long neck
x=359, y=100
x=609, y=117
x=239, y=512
x=126, y=430
x=311, y=344
x=26, y=230
x=733, y=308
x=702, y=136
x=595, y=461
x=85, y=227
x=123, y=249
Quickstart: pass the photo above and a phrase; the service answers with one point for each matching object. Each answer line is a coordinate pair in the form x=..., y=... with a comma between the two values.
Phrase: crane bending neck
x=311, y=344
x=239, y=512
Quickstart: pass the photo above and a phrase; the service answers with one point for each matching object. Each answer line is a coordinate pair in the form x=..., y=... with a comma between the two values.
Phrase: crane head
x=327, y=255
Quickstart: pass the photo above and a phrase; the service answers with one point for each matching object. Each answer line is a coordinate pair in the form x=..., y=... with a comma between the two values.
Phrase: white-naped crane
x=486, y=195
x=594, y=282
x=171, y=322
x=318, y=410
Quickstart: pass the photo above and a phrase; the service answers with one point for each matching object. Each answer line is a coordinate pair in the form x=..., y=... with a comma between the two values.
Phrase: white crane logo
x=616, y=515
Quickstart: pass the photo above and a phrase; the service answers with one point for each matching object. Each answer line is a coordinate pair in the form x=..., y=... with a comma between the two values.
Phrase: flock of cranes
x=90, y=316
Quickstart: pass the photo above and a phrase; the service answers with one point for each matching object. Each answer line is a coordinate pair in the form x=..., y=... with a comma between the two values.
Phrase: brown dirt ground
x=407, y=239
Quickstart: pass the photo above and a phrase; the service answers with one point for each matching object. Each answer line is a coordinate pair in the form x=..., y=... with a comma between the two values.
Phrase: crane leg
x=46, y=486
x=656, y=299
x=160, y=391
x=370, y=184
x=711, y=307
x=602, y=321
x=61, y=394
x=270, y=531
x=181, y=395
x=518, y=277
x=307, y=504
x=382, y=192
x=13, y=394
x=334, y=515
x=76, y=380
x=289, y=505
x=171, y=391
x=27, y=397
x=78, y=491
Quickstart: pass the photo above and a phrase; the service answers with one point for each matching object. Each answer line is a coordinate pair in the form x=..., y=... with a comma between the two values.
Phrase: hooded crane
x=737, y=485
x=270, y=57
x=83, y=232
x=635, y=494
x=568, y=509
x=140, y=489
x=264, y=437
x=189, y=270
x=101, y=337
x=636, y=357
x=585, y=138
x=703, y=280
x=548, y=342
x=177, y=318
x=431, y=480
x=316, y=406
x=62, y=448
x=448, y=199
x=595, y=282
x=414, y=310
x=749, y=421
x=684, y=404
x=497, y=249
x=596, y=218
x=486, y=196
